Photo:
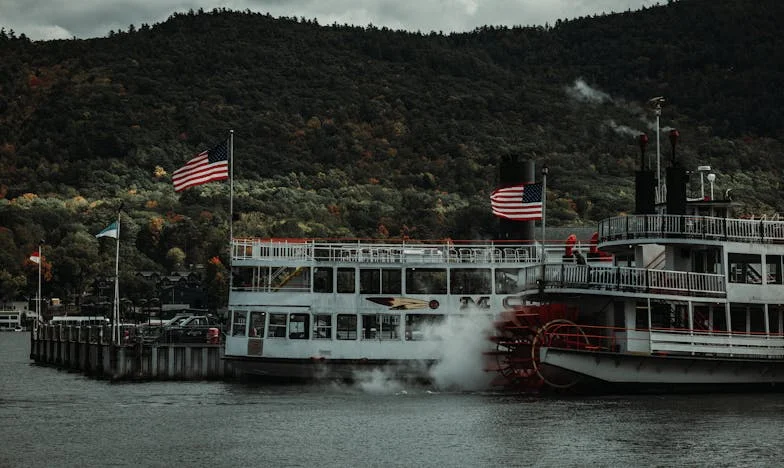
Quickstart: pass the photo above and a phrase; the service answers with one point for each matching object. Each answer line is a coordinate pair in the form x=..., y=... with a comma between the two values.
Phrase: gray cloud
x=55, y=19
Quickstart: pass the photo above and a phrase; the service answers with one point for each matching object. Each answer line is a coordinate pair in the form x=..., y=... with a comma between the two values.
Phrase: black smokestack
x=644, y=183
x=512, y=171
x=676, y=181
x=643, y=139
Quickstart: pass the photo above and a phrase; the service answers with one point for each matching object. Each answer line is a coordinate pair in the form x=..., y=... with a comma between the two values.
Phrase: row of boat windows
x=302, y=326
x=738, y=318
x=378, y=280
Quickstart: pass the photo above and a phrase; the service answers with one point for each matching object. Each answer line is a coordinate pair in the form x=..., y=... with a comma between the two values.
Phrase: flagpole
x=231, y=201
x=545, y=170
x=116, y=313
x=38, y=299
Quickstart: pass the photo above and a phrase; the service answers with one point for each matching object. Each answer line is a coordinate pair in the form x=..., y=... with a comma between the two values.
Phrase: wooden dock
x=90, y=350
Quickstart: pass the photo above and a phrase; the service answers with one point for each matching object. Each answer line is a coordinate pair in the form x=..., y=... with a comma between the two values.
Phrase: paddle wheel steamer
x=680, y=295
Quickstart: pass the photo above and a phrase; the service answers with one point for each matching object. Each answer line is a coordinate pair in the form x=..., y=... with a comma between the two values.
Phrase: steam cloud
x=459, y=342
x=581, y=91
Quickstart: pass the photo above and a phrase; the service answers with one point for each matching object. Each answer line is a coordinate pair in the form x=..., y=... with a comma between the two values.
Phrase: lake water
x=52, y=418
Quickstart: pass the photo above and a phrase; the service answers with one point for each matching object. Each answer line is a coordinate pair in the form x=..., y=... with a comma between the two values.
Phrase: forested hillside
x=343, y=131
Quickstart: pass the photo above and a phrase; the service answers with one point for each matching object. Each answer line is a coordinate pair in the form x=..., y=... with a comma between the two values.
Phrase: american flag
x=208, y=166
x=521, y=202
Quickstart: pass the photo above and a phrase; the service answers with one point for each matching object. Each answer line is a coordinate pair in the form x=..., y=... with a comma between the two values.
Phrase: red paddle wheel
x=520, y=333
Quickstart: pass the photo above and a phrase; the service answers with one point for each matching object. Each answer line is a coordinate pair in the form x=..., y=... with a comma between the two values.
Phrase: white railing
x=371, y=252
x=700, y=227
x=717, y=343
x=564, y=275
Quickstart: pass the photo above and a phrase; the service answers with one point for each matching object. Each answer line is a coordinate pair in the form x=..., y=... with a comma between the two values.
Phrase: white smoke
x=459, y=342
x=651, y=124
x=622, y=129
x=581, y=91
x=378, y=381
x=462, y=340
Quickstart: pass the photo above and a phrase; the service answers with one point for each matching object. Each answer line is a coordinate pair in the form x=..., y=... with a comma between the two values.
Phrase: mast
x=38, y=298
x=116, y=313
x=231, y=202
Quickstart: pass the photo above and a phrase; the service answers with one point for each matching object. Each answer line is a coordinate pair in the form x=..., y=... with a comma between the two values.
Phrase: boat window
x=773, y=263
x=425, y=281
x=701, y=318
x=470, y=281
x=257, y=322
x=641, y=322
x=238, y=323
x=738, y=318
x=719, y=319
x=277, y=326
x=390, y=326
x=507, y=281
x=243, y=278
x=421, y=326
x=322, y=280
x=745, y=268
x=370, y=327
x=347, y=327
x=391, y=281
x=346, y=280
x=756, y=318
x=775, y=319
x=299, y=324
x=369, y=281
x=322, y=327
x=666, y=315
x=290, y=279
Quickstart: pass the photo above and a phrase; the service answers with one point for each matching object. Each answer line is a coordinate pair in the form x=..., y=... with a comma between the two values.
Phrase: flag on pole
x=207, y=166
x=35, y=257
x=522, y=202
x=109, y=231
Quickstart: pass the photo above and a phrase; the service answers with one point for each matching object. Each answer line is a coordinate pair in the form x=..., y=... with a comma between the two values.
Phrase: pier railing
x=695, y=227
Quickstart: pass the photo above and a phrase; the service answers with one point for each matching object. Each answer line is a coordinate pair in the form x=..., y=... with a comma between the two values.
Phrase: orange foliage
x=215, y=261
x=334, y=210
x=156, y=226
x=373, y=181
x=150, y=204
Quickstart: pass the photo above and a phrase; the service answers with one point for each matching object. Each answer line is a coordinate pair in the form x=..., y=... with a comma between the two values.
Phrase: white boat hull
x=623, y=372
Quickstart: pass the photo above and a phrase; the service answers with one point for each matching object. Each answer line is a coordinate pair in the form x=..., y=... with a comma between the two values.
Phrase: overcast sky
x=64, y=19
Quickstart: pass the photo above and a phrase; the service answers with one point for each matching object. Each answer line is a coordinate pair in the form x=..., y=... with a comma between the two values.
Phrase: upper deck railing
x=377, y=252
x=626, y=279
x=690, y=227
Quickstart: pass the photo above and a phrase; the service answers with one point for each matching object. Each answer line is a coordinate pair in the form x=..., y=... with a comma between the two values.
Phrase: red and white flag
x=522, y=202
x=207, y=166
x=35, y=258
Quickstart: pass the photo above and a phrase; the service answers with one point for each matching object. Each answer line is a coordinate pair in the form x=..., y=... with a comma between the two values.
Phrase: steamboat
x=679, y=296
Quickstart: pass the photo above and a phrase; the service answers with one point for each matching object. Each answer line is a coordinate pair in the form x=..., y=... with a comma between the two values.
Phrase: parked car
x=189, y=329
